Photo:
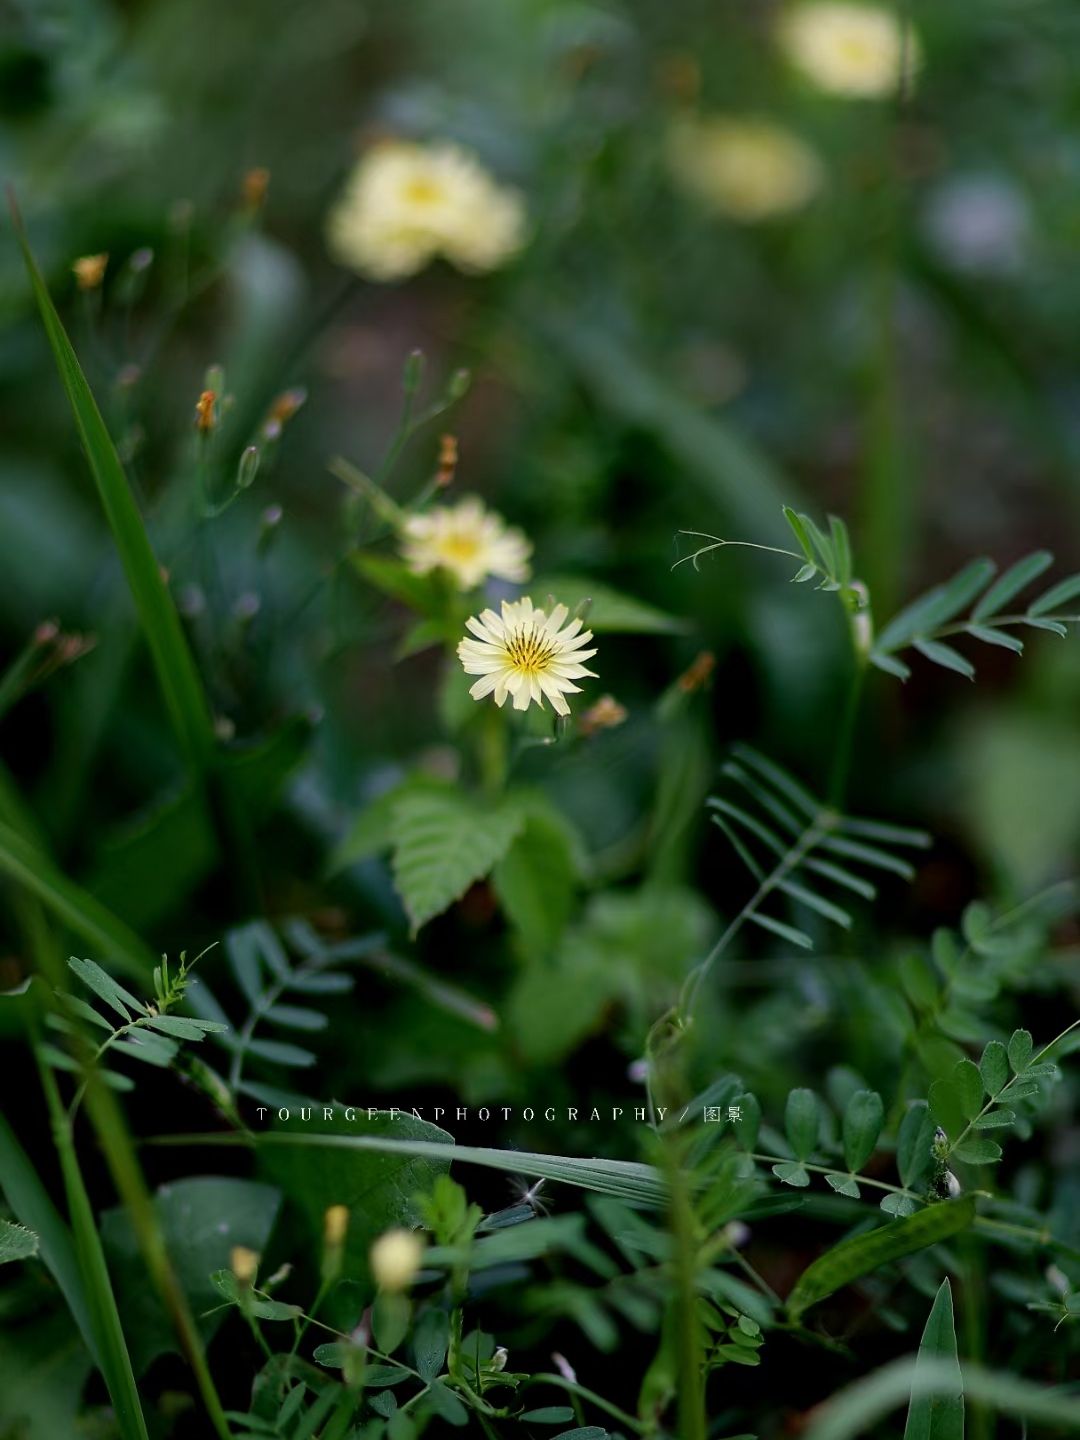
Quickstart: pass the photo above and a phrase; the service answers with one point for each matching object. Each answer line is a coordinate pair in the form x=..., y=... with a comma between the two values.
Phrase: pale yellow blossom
x=742, y=166
x=467, y=540
x=405, y=204
x=527, y=654
x=395, y=1259
x=860, y=51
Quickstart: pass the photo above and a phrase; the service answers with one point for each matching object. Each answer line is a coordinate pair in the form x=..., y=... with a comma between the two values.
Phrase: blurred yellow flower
x=744, y=167
x=526, y=654
x=405, y=204
x=468, y=540
x=395, y=1259
x=856, y=50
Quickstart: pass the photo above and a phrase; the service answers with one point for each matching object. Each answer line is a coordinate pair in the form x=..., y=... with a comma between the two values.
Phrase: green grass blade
x=71, y=904
x=30, y=1201
x=940, y=1416
x=179, y=680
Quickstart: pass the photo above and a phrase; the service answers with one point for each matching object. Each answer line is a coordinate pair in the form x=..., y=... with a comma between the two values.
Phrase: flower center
x=460, y=547
x=422, y=192
x=529, y=651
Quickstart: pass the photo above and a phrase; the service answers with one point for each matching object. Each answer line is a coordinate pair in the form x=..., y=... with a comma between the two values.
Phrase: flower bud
x=335, y=1228
x=204, y=412
x=395, y=1258
x=244, y=1264
x=248, y=467
x=89, y=271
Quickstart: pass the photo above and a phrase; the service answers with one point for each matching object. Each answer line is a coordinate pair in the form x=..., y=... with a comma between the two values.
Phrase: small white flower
x=526, y=654
x=861, y=51
x=467, y=540
x=742, y=166
x=405, y=204
x=395, y=1258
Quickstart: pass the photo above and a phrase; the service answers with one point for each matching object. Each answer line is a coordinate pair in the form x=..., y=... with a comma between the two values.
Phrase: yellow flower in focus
x=744, y=167
x=526, y=654
x=468, y=540
x=395, y=1258
x=850, y=49
x=405, y=204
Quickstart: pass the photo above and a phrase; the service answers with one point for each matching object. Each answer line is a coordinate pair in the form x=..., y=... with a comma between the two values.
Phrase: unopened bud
x=459, y=384
x=395, y=1258
x=413, y=371
x=565, y=1369
x=698, y=674
x=248, y=467
x=204, y=412
x=335, y=1226
x=46, y=632
x=254, y=186
x=288, y=403
x=499, y=1359
x=89, y=271
x=280, y=1275
x=244, y=1264
x=736, y=1233
x=448, y=459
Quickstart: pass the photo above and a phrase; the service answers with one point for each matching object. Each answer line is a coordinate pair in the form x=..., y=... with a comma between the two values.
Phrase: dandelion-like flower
x=861, y=51
x=468, y=540
x=527, y=654
x=405, y=204
x=745, y=167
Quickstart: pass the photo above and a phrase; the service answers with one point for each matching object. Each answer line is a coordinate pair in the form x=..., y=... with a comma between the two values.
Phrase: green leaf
x=1011, y=583
x=890, y=665
x=816, y=902
x=791, y=1173
x=104, y=986
x=748, y=1124
x=536, y=878
x=1054, y=626
x=844, y=1185
x=802, y=1122
x=937, y=606
x=548, y=1415
x=799, y=530
x=898, y=1205
x=1001, y=638
x=179, y=680
x=786, y=932
x=996, y=1120
x=16, y=1242
x=181, y=1028
x=978, y=1152
x=869, y=855
x=968, y=1084
x=1057, y=595
x=939, y=1416
x=863, y=1119
x=228, y=1285
x=202, y=1219
x=994, y=1067
x=294, y=1017
x=281, y=1053
x=852, y=1258
x=443, y=843
x=611, y=612
x=372, y=830
x=431, y=1337
x=448, y=1407
x=945, y=656
x=840, y=876
x=947, y=1108
x=585, y=1432
x=1020, y=1048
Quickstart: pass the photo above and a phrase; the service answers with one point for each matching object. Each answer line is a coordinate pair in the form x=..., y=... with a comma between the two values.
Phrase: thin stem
x=835, y=1170
x=845, y=736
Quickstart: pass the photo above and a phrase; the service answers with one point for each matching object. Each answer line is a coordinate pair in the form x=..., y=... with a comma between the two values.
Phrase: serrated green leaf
x=16, y=1242
x=968, y=1083
x=978, y=1152
x=994, y=1067
x=1057, y=595
x=536, y=879
x=939, y=1416
x=844, y=1185
x=1019, y=1049
x=802, y=1122
x=863, y=1119
x=1011, y=583
x=945, y=656
x=859, y=1256
x=443, y=843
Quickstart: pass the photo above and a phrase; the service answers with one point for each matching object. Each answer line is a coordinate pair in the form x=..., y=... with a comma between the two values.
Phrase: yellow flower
x=405, y=204
x=850, y=49
x=395, y=1258
x=89, y=271
x=467, y=540
x=742, y=166
x=526, y=654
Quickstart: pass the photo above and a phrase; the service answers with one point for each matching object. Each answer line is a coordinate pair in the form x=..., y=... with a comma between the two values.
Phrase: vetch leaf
x=890, y=665
x=104, y=986
x=863, y=1119
x=1020, y=1048
x=859, y=1256
x=947, y=1108
x=937, y=606
x=748, y=1124
x=802, y=1122
x=791, y=1173
x=898, y=1205
x=431, y=1337
x=996, y=1119
x=939, y=1416
x=1057, y=595
x=1001, y=638
x=869, y=855
x=294, y=1017
x=844, y=1185
x=16, y=1242
x=1011, y=583
x=786, y=932
x=945, y=656
x=994, y=1067
x=281, y=1053
x=968, y=1083
x=978, y=1152
x=817, y=902
x=548, y=1415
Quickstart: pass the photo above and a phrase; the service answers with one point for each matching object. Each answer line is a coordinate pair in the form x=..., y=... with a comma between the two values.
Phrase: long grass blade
x=185, y=698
